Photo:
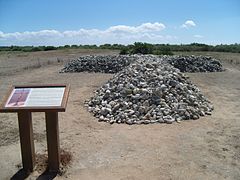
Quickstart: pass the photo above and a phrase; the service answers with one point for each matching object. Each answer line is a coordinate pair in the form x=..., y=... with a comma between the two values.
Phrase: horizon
x=59, y=23
x=181, y=44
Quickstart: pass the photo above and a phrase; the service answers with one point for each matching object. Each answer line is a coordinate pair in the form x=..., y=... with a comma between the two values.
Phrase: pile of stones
x=104, y=64
x=149, y=90
x=114, y=64
x=194, y=63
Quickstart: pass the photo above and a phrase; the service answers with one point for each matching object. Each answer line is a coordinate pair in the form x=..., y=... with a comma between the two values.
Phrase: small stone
x=208, y=113
x=104, y=111
x=168, y=119
x=146, y=121
x=101, y=118
x=129, y=122
x=116, y=107
x=195, y=117
x=131, y=112
x=112, y=121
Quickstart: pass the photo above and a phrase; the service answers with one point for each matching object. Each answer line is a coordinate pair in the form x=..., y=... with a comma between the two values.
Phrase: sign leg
x=26, y=140
x=53, y=141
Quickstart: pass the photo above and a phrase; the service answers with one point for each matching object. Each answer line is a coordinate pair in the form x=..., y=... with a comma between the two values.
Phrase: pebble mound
x=148, y=91
x=195, y=63
x=103, y=64
x=114, y=64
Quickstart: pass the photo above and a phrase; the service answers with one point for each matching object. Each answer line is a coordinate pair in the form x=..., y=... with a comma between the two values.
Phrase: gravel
x=104, y=64
x=194, y=64
x=149, y=90
x=114, y=64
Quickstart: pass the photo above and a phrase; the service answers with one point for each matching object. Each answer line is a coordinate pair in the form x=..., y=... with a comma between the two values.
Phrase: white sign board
x=36, y=97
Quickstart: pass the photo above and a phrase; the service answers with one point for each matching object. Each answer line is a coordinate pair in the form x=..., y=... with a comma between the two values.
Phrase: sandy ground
x=208, y=148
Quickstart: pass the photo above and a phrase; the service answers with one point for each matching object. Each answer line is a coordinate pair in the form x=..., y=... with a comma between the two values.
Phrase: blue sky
x=59, y=22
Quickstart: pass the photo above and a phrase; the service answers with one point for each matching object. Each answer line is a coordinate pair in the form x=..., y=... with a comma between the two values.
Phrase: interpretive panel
x=24, y=100
x=36, y=98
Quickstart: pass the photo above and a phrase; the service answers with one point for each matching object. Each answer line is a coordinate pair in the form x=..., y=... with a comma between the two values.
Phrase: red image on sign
x=18, y=97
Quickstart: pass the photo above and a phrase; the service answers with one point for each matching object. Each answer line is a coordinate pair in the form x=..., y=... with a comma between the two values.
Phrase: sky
x=61, y=22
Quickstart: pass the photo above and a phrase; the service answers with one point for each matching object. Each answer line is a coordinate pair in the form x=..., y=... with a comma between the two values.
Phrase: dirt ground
x=208, y=148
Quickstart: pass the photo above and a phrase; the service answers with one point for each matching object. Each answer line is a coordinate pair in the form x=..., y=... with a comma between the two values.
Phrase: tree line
x=137, y=47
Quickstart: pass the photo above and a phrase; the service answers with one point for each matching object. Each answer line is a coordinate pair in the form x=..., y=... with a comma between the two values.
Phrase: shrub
x=142, y=48
x=66, y=46
x=49, y=48
x=37, y=49
x=74, y=46
x=124, y=51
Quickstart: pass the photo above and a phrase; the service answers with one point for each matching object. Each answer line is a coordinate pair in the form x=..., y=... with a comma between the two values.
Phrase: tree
x=142, y=48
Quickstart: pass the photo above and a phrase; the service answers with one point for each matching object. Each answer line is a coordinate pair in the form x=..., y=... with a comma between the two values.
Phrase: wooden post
x=26, y=140
x=24, y=110
x=53, y=141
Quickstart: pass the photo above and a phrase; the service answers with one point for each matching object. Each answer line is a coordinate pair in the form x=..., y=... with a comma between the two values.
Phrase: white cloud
x=148, y=32
x=198, y=36
x=188, y=24
x=1, y=34
x=146, y=27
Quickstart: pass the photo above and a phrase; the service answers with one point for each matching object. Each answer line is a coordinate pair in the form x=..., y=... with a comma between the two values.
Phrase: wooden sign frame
x=61, y=108
x=26, y=129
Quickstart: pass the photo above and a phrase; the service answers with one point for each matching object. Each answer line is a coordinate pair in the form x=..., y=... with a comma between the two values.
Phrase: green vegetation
x=141, y=48
x=28, y=48
x=145, y=48
x=137, y=47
